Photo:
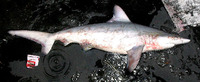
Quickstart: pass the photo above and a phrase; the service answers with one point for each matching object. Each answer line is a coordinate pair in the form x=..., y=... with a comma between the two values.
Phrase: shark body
x=118, y=35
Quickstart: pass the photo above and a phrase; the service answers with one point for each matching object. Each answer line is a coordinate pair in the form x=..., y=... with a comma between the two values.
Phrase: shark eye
x=177, y=38
x=174, y=38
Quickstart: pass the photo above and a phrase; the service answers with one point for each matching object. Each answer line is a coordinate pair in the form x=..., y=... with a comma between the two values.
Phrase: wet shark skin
x=116, y=37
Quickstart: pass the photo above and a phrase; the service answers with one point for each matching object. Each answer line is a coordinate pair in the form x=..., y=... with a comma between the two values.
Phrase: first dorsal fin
x=119, y=15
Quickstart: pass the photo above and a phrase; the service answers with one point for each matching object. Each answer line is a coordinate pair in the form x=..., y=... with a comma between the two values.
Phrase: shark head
x=170, y=41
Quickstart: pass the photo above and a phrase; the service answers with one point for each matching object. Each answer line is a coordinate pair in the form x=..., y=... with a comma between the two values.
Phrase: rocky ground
x=71, y=63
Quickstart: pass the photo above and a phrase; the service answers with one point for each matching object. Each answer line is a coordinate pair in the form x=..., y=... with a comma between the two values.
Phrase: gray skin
x=116, y=37
x=119, y=35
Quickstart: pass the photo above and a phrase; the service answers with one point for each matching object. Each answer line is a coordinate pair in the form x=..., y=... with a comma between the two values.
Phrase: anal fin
x=134, y=55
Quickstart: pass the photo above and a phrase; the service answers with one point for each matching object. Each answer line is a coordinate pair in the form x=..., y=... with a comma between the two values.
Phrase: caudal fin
x=45, y=39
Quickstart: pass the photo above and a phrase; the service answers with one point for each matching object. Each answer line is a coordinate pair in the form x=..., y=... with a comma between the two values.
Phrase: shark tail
x=43, y=38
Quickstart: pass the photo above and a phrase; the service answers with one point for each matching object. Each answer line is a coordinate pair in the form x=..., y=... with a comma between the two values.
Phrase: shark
x=117, y=35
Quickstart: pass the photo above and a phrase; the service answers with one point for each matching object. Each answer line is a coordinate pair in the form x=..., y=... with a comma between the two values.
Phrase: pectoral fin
x=134, y=55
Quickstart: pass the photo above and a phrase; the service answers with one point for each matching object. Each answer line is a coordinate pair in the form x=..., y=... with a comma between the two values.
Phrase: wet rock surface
x=183, y=12
x=71, y=63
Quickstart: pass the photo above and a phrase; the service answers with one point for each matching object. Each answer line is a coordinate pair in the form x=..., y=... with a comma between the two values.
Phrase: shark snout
x=179, y=41
x=185, y=40
x=170, y=41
